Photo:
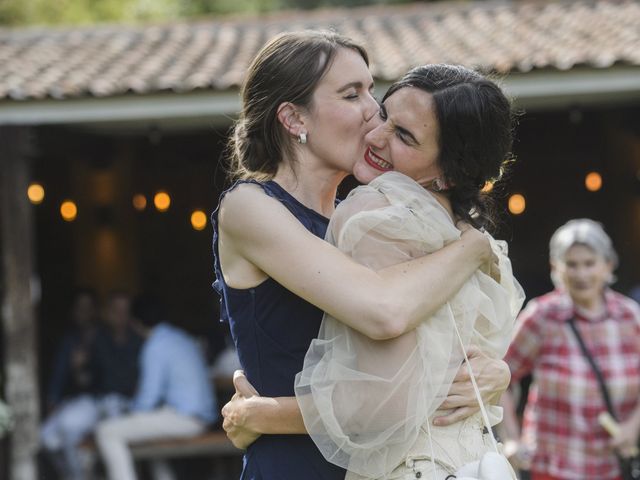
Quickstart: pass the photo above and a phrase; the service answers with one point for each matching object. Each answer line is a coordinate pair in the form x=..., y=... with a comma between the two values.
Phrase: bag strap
x=483, y=410
x=476, y=390
x=599, y=377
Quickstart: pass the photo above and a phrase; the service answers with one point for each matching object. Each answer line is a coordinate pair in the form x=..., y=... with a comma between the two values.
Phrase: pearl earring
x=302, y=138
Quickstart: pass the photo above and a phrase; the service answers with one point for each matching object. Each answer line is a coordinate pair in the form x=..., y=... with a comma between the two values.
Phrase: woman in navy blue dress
x=307, y=103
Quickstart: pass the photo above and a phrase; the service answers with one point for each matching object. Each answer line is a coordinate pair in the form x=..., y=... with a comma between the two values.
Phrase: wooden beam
x=18, y=318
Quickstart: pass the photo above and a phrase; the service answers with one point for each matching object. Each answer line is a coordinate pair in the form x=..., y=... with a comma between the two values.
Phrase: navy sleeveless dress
x=272, y=329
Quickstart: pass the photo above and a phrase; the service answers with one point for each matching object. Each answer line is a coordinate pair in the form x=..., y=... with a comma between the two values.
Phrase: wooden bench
x=214, y=444
x=224, y=458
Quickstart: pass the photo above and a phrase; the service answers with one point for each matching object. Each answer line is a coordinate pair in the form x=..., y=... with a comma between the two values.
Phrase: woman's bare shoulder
x=246, y=206
x=240, y=195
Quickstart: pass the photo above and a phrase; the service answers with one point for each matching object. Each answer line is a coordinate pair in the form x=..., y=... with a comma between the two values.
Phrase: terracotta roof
x=114, y=60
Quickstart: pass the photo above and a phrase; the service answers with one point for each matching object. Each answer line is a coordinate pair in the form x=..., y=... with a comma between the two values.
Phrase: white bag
x=492, y=466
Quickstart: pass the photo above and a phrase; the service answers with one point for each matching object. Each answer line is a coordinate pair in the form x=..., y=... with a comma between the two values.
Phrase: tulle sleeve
x=364, y=401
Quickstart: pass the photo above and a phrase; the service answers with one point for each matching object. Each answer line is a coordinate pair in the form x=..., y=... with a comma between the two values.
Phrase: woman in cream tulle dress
x=444, y=132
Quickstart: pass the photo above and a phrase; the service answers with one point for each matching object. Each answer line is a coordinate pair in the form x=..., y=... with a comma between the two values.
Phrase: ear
x=610, y=269
x=555, y=274
x=291, y=119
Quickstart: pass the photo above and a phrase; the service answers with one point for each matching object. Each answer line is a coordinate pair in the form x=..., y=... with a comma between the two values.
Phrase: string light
x=487, y=187
x=139, y=202
x=198, y=220
x=35, y=192
x=593, y=181
x=68, y=210
x=162, y=201
x=517, y=204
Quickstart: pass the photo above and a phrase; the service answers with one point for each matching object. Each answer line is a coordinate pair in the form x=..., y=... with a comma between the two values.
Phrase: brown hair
x=287, y=69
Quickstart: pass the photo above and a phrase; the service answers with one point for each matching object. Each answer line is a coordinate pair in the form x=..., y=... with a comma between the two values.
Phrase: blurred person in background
x=174, y=398
x=561, y=437
x=71, y=375
x=114, y=360
x=110, y=376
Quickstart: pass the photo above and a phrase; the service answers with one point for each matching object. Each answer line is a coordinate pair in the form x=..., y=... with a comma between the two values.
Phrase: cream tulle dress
x=367, y=403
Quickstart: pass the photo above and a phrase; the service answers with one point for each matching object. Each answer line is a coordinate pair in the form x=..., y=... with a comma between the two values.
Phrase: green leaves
x=83, y=12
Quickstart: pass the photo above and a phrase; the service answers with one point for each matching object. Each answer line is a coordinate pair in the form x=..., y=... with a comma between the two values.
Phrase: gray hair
x=581, y=231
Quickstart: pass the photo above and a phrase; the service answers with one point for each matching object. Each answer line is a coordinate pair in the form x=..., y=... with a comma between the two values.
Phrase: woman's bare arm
x=248, y=415
x=381, y=305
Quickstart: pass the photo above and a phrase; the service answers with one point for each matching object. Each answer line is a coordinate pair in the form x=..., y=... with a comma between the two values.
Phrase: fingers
x=462, y=376
x=625, y=446
x=455, y=416
x=473, y=351
x=227, y=425
x=227, y=414
x=238, y=440
x=629, y=452
x=227, y=407
x=625, y=450
x=460, y=380
x=458, y=400
x=242, y=385
x=232, y=411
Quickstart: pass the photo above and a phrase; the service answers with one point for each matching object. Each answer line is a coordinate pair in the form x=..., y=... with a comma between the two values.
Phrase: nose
x=376, y=137
x=579, y=274
x=371, y=107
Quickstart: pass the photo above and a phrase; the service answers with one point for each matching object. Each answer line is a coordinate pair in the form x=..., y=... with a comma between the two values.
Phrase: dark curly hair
x=475, y=134
x=287, y=69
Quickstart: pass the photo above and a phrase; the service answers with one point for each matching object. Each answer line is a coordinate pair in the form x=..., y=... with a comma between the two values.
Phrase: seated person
x=174, y=398
x=70, y=375
x=95, y=381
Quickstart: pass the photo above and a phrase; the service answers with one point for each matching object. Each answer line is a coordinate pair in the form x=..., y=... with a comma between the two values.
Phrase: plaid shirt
x=560, y=423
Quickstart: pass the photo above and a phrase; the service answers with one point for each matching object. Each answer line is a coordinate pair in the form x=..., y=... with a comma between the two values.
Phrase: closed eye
x=406, y=136
x=403, y=134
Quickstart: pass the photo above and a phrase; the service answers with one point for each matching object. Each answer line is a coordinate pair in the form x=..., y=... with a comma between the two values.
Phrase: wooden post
x=18, y=318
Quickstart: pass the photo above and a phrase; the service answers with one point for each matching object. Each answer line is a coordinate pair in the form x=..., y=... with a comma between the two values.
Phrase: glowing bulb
x=35, y=192
x=593, y=181
x=198, y=220
x=487, y=187
x=68, y=210
x=517, y=204
x=162, y=201
x=139, y=202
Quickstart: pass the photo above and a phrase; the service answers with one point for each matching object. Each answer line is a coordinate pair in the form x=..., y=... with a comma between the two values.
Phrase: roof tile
x=493, y=36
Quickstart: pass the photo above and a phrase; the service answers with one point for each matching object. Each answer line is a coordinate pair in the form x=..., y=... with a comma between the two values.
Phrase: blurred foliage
x=73, y=12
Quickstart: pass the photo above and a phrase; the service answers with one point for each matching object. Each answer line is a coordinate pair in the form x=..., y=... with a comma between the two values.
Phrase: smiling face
x=405, y=139
x=583, y=273
x=340, y=111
